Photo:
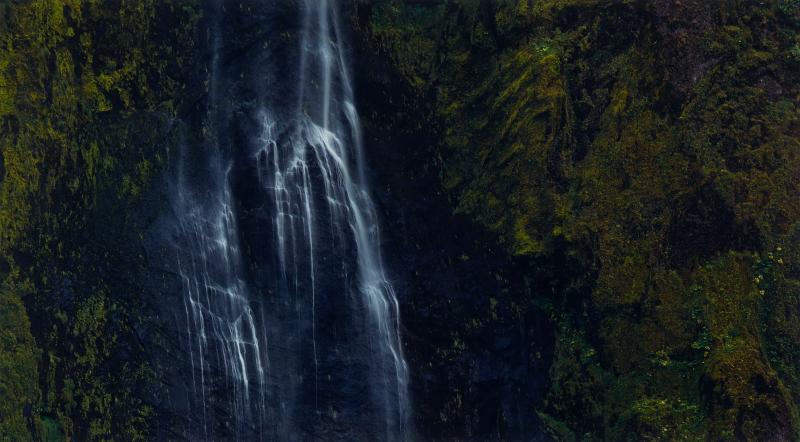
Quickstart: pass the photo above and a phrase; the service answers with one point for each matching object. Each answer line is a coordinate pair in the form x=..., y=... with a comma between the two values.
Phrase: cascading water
x=292, y=324
x=222, y=331
x=226, y=351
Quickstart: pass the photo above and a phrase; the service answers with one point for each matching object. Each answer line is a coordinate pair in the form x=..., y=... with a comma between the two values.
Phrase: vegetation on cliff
x=652, y=146
x=86, y=88
x=638, y=163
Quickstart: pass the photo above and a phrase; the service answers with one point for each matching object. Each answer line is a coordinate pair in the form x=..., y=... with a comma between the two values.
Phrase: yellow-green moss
x=77, y=80
x=19, y=389
x=571, y=132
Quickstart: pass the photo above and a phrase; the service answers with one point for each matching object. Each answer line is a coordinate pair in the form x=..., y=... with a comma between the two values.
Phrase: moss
x=86, y=89
x=656, y=145
x=19, y=391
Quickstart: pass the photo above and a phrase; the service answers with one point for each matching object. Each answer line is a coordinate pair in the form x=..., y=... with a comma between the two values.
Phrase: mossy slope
x=654, y=144
x=86, y=91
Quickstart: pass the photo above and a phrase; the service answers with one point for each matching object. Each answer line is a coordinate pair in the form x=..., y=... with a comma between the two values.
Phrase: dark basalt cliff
x=589, y=210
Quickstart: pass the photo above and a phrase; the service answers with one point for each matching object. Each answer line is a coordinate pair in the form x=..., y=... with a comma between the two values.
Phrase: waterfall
x=292, y=325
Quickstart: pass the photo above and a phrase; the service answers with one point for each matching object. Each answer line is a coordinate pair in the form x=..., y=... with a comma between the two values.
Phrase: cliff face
x=590, y=206
x=643, y=159
x=87, y=90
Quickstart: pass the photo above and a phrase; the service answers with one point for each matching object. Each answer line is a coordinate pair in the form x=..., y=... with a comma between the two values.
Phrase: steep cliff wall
x=590, y=207
x=87, y=91
x=644, y=157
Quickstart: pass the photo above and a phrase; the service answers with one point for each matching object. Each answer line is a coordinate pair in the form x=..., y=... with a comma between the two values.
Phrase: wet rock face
x=281, y=320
